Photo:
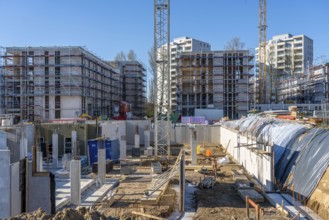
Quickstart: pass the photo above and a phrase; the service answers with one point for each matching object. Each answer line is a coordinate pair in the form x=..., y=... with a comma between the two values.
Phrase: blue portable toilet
x=93, y=149
x=113, y=145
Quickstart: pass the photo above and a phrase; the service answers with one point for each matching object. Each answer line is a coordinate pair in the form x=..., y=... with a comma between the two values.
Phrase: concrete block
x=75, y=176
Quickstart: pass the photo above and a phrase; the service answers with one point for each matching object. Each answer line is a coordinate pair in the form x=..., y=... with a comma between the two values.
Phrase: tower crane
x=162, y=79
x=262, y=52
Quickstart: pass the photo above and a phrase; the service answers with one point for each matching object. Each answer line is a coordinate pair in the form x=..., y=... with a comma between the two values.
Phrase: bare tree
x=234, y=44
x=132, y=55
x=152, y=70
x=121, y=56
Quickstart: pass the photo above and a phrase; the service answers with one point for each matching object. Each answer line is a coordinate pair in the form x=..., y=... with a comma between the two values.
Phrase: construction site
x=75, y=142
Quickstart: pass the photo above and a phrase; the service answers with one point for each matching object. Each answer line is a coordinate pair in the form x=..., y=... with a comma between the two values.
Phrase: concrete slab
x=252, y=194
x=276, y=200
x=308, y=212
x=95, y=194
x=63, y=190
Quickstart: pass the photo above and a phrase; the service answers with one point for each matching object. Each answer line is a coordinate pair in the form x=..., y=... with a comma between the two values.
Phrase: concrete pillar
x=123, y=148
x=4, y=182
x=74, y=145
x=39, y=161
x=137, y=145
x=182, y=183
x=55, y=150
x=23, y=148
x=193, y=147
x=75, y=175
x=146, y=139
x=101, y=166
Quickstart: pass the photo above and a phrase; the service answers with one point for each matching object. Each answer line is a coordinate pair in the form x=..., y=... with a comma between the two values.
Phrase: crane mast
x=262, y=52
x=162, y=79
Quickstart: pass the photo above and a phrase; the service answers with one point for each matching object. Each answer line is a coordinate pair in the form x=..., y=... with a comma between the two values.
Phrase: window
x=57, y=57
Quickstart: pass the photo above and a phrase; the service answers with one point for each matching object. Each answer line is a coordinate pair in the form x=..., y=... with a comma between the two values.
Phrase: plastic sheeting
x=301, y=155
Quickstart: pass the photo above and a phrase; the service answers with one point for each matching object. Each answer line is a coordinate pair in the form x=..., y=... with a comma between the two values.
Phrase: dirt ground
x=220, y=202
x=319, y=200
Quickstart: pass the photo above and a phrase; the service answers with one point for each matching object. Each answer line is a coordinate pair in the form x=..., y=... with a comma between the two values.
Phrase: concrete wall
x=39, y=193
x=131, y=128
x=69, y=106
x=64, y=131
x=15, y=193
x=259, y=165
x=210, y=114
x=4, y=182
x=109, y=129
x=205, y=135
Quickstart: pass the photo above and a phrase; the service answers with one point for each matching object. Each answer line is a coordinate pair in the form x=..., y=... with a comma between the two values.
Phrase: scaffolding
x=133, y=85
x=218, y=79
x=39, y=81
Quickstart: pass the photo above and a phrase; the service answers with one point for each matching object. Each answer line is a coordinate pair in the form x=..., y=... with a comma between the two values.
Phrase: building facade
x=42, y=83
x=133, y=85
x=288, y=58
x=215, y=79
x=178, y=46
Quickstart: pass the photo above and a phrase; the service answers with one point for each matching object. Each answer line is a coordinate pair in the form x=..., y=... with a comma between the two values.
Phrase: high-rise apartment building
x=178, y=46
x=287, y=57
x=216, y=80
x=41, y=83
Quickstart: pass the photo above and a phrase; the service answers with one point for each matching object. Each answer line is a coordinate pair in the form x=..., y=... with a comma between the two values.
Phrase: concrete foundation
x=259, y=165
x=75, y=175
x=123, y=148
x=4, y=183
x=55, y=150
x=101, y=165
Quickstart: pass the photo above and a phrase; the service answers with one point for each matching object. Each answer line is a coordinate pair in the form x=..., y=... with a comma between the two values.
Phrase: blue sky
x=107, y=27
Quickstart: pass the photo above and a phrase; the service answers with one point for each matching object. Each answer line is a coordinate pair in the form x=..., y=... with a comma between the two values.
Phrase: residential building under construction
x=56, y=82
x=217, y=79
x=133, y=83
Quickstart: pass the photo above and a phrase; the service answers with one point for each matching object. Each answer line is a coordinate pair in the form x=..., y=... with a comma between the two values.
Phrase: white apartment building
x=177, y=46
x=45, y=83
x=286, y=56
x=290, y=55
